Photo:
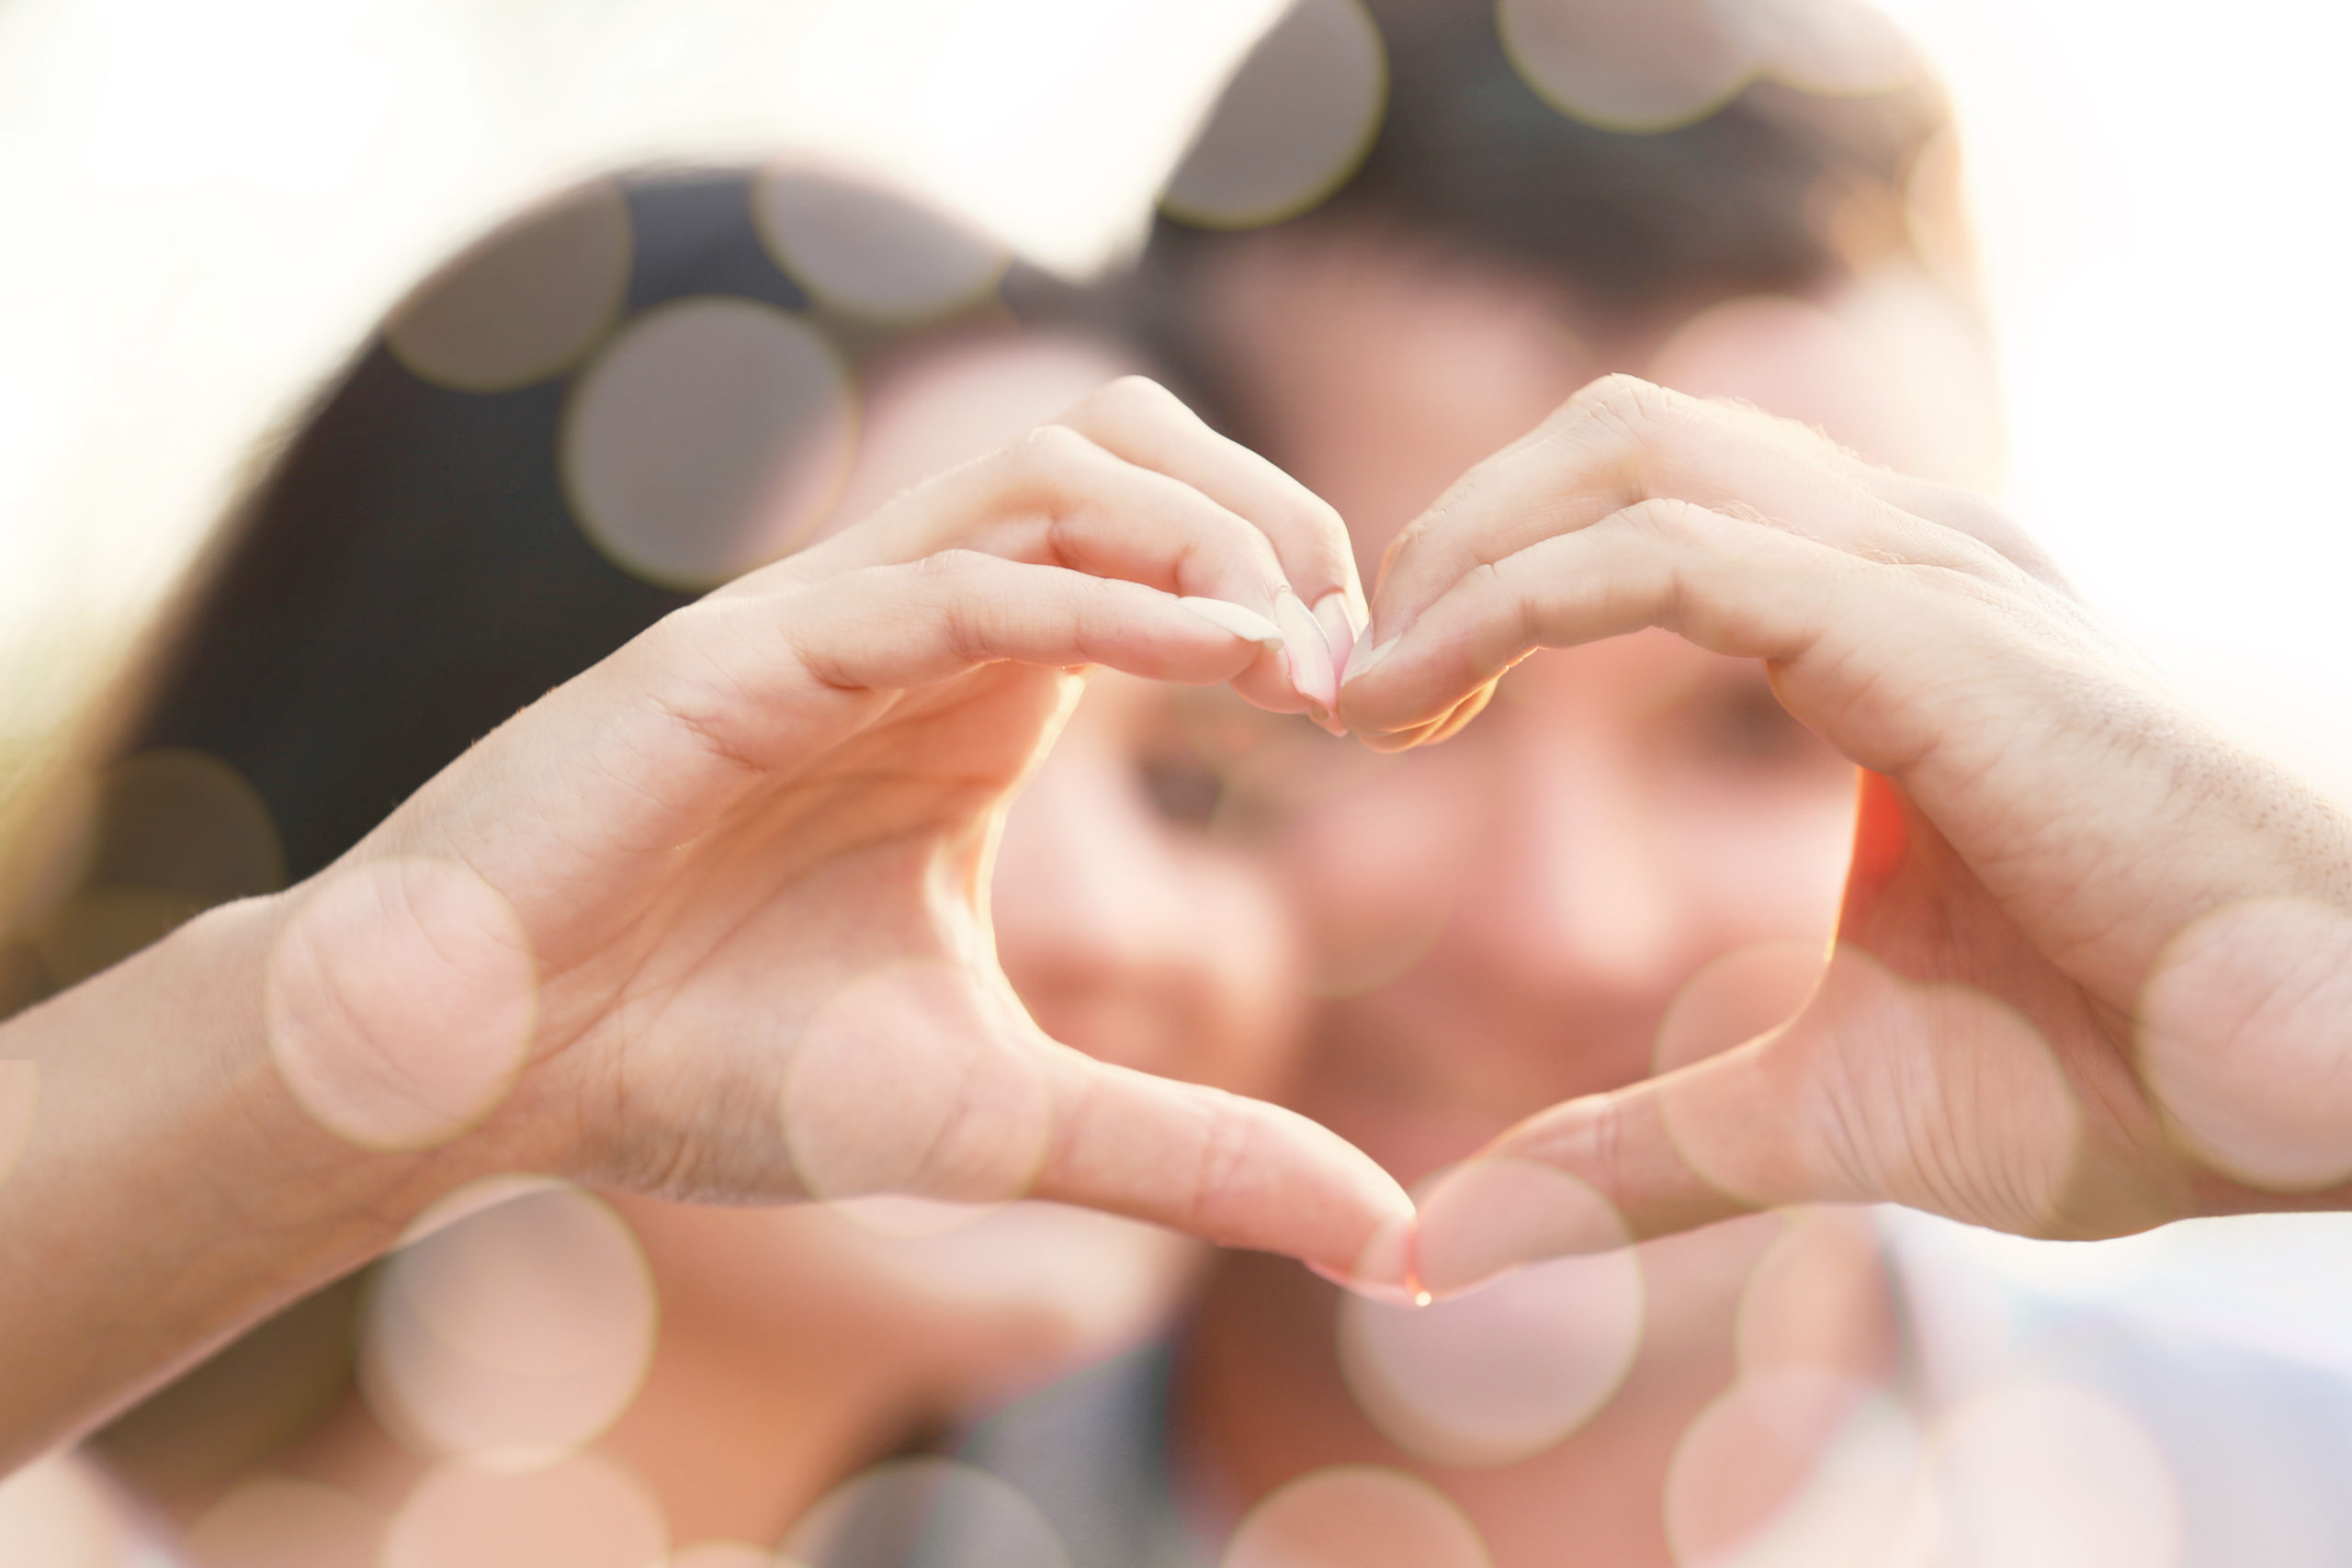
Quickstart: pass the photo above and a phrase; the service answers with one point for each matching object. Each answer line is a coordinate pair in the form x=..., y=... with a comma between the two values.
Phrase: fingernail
x=1495, y=1213
x=1363, y=666
x=1239, y=619
x=1340, y=625
x=1383, y=1271
x=1312, y=672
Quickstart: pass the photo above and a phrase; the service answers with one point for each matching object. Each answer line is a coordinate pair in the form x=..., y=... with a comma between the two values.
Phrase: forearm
x=170, y=1191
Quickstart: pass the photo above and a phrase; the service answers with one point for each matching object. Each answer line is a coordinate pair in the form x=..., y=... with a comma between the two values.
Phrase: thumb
x=1708, y=1142
x=921, y=1078
x=1236, y=1172
x=1932, y=1094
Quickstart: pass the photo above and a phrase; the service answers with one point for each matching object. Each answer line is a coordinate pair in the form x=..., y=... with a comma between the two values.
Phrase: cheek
x=1253, y=974
x=1768, y=862
x=1375, y=868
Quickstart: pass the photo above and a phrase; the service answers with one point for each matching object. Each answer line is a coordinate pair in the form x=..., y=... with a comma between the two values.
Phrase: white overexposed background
x=203, y=207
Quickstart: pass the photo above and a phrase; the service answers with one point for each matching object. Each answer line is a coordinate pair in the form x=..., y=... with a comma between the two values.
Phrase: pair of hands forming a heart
x=749, y=851
x=2093, y=970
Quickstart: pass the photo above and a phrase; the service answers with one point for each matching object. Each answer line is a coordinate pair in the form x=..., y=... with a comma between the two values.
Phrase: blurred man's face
x=1504, y=920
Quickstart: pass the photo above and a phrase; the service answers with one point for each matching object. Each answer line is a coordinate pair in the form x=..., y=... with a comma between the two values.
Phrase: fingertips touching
x=1303, y=545
x=1394, y=698
x=1311, y=661
x=1238, y=619
x=1293, y=671
x=1496, y=1212
x=1344, y=620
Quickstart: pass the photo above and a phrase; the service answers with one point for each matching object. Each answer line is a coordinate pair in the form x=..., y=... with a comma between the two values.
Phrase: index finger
x=1621, y=441
x=1138, y=419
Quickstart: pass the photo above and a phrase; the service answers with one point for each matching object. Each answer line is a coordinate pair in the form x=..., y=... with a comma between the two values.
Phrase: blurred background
x=210, y=206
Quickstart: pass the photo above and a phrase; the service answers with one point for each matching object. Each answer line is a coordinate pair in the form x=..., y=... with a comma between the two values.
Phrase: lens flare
x=707, y=439
x=513, y=1334
x=1646, y=67
x=58, y=1512
x=896, y=1515
x=1799, y=1468
x=273, y=1522
x=943, y=403
x=2049, y=1475
x=1799, y=1307
x=1846, y=47
x=971, y=1120
x=172, y=832
x=1935, y=356
x=400, y=1001
x=1356, y=1517
x=2246, y=1041
x=1665, y=64
x=724, y=1554
x=1744, y=993
x=1105, y=1280
x=583, y=1512
x=1794, y=358
x=1372, y=908
x=1990, y=1077
x=1511, y=1368
x=185, y=821
x=98, y=928
x=1293, y=123
x=1934, y=213
x=870, y=252
x=524, y=303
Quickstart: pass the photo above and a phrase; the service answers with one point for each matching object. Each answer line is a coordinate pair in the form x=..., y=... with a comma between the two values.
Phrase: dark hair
x=1778, y=190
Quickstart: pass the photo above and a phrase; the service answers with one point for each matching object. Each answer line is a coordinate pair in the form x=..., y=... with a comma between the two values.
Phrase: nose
x=1568, y=895
x=1094, y=929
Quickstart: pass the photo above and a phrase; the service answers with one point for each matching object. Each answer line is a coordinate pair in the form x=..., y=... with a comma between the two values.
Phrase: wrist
x=171, y=1190
x=240, y=1137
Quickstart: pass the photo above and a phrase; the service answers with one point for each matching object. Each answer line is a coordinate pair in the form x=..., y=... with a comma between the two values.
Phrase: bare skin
x=753, y=807
x=1631, y=802
x=2039, y=823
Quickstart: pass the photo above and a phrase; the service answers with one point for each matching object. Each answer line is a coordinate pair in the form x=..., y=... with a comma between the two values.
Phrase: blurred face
x=1507, y=918
x=1130, y=931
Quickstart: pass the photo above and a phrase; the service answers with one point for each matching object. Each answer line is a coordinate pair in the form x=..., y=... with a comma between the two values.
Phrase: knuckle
x=1323, y=525
x=1624, y=413
x=950, y=573
x=1135, y=394
x=1644, y=409
x=1629, y=402
x=1050, y=448
x=1669, y=520
x=1991, y=526
x=1609, y=388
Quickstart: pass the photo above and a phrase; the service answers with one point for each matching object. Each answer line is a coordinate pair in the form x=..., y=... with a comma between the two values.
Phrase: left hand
x=2093, y=968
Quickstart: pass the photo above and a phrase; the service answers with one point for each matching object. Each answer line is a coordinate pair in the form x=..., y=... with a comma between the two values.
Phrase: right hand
x=2093, y=967
x=743, y=862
